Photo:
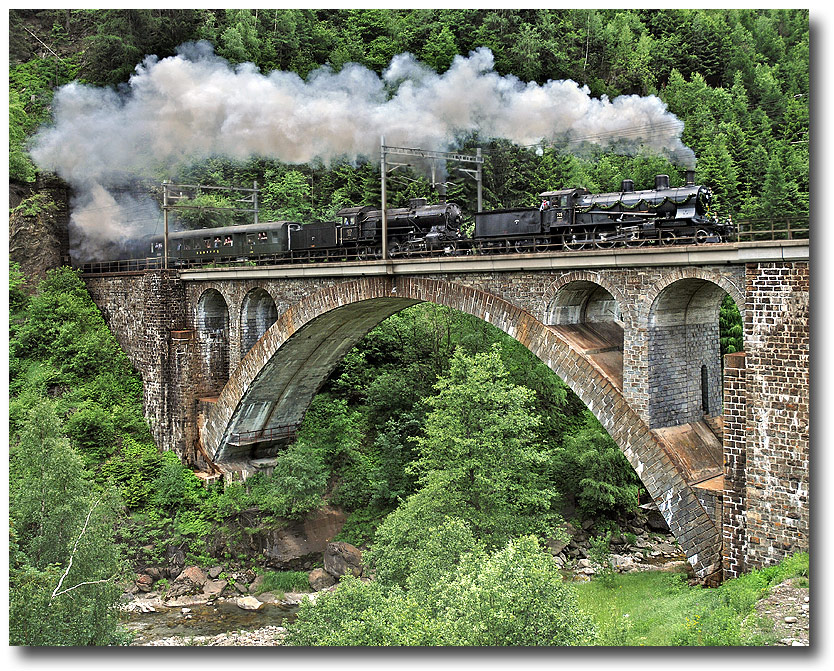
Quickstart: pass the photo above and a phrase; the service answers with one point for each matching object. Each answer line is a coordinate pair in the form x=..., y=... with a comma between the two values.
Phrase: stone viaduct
x=231, y=358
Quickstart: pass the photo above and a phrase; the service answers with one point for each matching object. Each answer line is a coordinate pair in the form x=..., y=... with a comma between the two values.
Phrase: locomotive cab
x=558, y=207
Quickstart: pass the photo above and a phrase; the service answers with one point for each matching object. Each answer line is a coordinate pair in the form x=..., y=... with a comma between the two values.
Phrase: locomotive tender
x=568, y=219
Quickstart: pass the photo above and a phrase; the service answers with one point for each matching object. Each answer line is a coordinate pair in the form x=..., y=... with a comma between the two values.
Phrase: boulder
x=249, y=603
x=256, y=584
x=215, y=571
x=655, y=520
x=298, y=543
x=342, y=559
x=194, y=575
x=214, y=587
x=555, y=546
x=144, y=582
x=320, y=579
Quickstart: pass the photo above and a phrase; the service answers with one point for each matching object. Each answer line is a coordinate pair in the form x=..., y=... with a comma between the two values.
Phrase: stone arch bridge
x=231, y=358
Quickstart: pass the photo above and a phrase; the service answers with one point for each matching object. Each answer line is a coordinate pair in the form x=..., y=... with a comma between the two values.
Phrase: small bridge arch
x=279, y=376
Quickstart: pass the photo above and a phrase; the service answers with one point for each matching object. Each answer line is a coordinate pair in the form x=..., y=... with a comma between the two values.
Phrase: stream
x=203, y=620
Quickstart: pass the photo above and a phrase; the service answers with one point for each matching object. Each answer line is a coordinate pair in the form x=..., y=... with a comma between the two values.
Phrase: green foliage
x=730, y=327
x=591, y=467
x=285, y=581
x=92, y=431
x=17, y=297
x=511, y=597
x=402, y=540
x=659, y=609
x=133, y=470
x=478, y=451
x=63, y=561
x=176, y=487
x=599, y=553
x=296, y=485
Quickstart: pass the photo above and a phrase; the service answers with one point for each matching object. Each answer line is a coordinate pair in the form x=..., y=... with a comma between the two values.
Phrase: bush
x=591, y=467
x=92, y=432
x=296, y=485
x=512, y=597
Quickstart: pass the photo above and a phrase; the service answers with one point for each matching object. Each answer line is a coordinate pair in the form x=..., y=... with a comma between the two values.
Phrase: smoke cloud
x=194, y=105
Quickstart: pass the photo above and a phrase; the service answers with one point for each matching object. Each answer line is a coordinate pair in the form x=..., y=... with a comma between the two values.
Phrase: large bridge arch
x=279, y=376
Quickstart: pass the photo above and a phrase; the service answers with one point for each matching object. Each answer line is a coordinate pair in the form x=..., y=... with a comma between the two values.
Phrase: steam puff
x=194, y=105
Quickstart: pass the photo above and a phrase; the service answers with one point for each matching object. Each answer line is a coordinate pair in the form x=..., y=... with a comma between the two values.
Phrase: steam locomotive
x=567, y=219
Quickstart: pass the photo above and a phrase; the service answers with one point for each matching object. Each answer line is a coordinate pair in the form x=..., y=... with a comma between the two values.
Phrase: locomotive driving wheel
x=668, y=238
x=701, y=236
x=524, y=246
x=576, y=239
x=634, y=239
x=601, y=240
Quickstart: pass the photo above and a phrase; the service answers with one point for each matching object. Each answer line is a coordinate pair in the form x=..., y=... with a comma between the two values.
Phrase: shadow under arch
x=277, y=379
x=212, y=321
x=257, y=313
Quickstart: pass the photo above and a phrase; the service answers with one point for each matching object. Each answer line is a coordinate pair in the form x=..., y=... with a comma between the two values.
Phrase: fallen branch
x=58, y=591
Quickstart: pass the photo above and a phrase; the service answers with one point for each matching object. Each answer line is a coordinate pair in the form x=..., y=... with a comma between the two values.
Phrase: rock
x=297, y=543
x=555, y=546
x=342, y=559
x=241, y=588
x=144, y=582
x=193, y=574
x=154, y=572
x=621, y=562
x=654, y=519
x=320, y=579
x=249, y=603
x=790, y=619
x=176, y=561
x=214, y=587
x=215, y=571
x=256, y=584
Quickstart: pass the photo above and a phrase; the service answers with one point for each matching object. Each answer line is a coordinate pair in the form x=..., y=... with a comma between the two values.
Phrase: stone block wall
x=142, y=310
x=777, y=346
x=735, y=461
x=676, y=358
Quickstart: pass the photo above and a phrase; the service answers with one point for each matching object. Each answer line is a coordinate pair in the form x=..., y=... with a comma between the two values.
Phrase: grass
x=655, y=608
x=281, y=582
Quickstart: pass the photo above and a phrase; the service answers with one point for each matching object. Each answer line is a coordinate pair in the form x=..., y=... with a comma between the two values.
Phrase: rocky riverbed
x=221, y=607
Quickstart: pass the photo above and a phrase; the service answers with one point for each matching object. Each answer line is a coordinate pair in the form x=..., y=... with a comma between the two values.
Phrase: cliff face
x=39, y=226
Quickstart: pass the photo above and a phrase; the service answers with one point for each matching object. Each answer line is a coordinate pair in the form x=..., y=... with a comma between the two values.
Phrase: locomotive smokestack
x=690, y=177
x=661, y=182
x=441, y=194
x=627, y=186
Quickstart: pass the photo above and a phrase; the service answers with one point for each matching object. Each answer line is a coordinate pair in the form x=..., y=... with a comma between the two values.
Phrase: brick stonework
x=777, y=347
x=735, y=459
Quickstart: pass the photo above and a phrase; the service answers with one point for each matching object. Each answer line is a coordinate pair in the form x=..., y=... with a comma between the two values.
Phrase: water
x=204, y=620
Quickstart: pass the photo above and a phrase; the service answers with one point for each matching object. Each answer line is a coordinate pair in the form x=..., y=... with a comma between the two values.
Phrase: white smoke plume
x=181, y=109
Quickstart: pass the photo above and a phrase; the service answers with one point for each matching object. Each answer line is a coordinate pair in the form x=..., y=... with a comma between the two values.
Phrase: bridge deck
x=680, y=255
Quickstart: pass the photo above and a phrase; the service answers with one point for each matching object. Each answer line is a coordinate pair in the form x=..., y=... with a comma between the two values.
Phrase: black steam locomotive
x=567, y=219
x=573, y=219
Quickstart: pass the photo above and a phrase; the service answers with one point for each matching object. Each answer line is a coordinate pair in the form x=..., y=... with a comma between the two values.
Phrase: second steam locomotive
x=567, y=219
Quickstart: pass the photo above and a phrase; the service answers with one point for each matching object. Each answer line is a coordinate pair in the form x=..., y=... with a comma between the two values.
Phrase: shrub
x=511, y=597
x=91, y=430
